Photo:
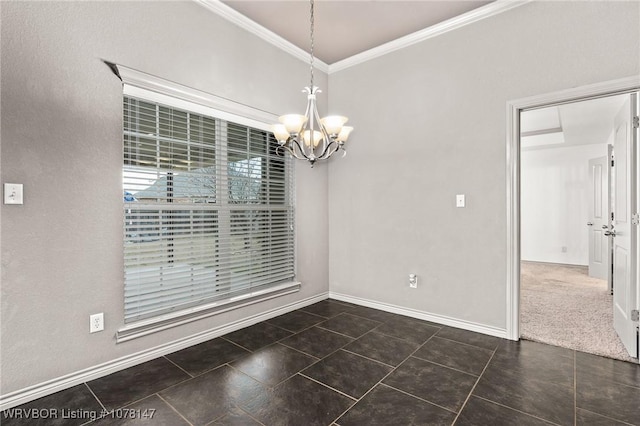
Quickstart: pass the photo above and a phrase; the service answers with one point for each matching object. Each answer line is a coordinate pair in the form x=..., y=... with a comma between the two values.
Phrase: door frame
x=593, y=91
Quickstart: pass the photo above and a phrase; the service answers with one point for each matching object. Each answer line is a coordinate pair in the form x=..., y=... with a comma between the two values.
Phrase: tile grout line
x=248, y=414
x=354, y=399
x=306, y=353
x=608, y=418
x=99, y=402
x=253, y=418
x=400, y=338
x=299, y=351
x=321, y=359
x=181, y=369
x=468, y=344
x=267, y=385
x=217, y=418
x=474, y=387
x=234, y=343
x=367, y=358
x=129, y=404
x=575, y=394
x=380, y=381
x=421, y=399
x=516, y=410
x=95, y=396
x=342, y=334
x=238, y=344
x=173, y=408
x=294, y=332
x=450, y=368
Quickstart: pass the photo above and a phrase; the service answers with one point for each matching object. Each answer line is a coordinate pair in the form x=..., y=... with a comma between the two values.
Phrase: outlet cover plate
x=13, y=193
x=413, y=281
x=96, y=322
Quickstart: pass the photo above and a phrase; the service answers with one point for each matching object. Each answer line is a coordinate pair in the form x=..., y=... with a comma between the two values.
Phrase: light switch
x=13, y=193
x=460, y=200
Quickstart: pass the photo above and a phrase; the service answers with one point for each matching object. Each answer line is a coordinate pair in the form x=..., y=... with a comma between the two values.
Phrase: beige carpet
x=562, y=306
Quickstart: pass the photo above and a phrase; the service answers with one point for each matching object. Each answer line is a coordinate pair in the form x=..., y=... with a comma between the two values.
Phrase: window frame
x=153, y=89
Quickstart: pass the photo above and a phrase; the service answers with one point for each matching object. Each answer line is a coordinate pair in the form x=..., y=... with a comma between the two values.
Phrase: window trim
x=155, y=89
x=174, y=319
x=145, y=86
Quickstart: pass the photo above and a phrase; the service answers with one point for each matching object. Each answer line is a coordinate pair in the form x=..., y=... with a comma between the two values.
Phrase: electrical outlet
x=413, y=281
x=96, y=322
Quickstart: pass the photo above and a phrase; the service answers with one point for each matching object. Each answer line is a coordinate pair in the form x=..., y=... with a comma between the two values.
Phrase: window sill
x=154, y=325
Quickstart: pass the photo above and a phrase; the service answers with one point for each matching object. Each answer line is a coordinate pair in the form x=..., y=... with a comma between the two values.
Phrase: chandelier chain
x=309, y=137
x=311, y=37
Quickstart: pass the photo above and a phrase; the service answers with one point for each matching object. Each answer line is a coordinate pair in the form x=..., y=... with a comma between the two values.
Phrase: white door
x=598, y=218
x=623, y=234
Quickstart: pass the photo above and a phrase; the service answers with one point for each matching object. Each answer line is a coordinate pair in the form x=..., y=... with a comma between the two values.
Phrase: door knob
x=610, y=233
x=589, y=224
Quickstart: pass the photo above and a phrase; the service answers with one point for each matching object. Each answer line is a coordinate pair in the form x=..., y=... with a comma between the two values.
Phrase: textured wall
x=430, y=123
x=62, y=138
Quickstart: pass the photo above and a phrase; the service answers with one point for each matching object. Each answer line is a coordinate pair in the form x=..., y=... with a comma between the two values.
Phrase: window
x=208, y=210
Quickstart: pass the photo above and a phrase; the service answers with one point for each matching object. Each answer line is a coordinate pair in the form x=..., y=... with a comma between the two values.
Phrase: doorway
x=550, y=250
x=565, y=204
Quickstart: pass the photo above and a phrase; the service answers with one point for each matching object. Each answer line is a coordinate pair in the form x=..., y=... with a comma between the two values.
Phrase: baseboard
x=31, y=393
x=439, y=319
x=542, y=262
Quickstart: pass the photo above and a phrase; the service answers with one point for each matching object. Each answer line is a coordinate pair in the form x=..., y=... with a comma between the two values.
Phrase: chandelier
x=309, y=137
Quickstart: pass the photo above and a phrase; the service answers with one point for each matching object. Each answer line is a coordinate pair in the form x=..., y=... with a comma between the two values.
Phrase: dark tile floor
x=334, y=363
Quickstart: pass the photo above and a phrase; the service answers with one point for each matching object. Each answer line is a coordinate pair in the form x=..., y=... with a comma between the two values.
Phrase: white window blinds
x=208, y=210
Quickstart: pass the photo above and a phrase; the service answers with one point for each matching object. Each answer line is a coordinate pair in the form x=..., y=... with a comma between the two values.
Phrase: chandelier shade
x=308, y=137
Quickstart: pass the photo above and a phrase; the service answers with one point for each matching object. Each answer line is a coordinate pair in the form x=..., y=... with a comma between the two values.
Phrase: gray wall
x=430, y=124
x=61, y=136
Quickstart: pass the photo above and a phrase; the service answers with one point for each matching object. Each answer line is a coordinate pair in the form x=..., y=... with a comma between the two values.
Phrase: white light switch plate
x=460, y=200
x=13, y=193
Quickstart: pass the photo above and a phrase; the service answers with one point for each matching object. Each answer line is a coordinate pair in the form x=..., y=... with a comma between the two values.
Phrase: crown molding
x=491, y=9
x=226, y=12
x=470, y=17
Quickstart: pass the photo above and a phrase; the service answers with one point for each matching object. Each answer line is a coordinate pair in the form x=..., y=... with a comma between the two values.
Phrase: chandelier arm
x=303, y=155
x=326, y=153
x=281, y=148
x=292, y=152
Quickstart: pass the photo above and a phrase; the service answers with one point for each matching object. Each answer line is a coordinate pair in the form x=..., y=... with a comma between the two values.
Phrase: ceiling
x=577, y=123
x=344, y=28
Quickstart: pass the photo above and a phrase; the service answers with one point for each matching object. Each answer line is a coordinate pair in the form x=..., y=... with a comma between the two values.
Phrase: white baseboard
x=31, y=393
x=49, y=387
x=439, y=319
